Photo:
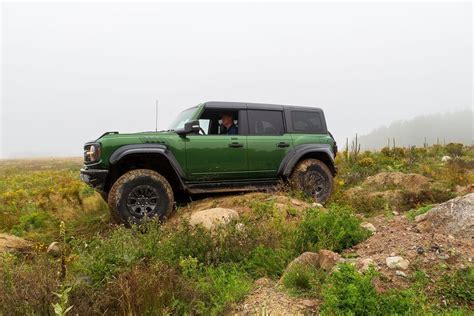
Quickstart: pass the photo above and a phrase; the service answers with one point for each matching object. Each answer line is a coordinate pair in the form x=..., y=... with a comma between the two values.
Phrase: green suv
x=139, y=174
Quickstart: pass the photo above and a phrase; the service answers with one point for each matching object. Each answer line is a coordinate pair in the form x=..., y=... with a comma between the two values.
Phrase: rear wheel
x=314, y=178
x=140, y=194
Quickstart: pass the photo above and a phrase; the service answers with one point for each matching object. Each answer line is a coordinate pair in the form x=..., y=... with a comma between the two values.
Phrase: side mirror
x=190, y=127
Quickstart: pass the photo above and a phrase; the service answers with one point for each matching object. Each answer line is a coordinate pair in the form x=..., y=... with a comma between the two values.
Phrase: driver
x=228, y=125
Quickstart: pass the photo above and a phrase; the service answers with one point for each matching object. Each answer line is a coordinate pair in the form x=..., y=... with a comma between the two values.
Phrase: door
x=267, y=142
x=216, y=157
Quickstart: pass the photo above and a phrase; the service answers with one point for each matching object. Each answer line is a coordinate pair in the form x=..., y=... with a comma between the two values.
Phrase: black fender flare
x=295, y=154
x=160, y=149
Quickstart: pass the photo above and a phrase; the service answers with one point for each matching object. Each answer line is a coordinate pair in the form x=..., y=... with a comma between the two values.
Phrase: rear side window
x=263, y=122
x=307, y=122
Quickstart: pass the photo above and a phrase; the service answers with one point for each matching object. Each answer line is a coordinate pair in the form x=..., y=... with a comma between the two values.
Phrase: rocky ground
x=440, y=238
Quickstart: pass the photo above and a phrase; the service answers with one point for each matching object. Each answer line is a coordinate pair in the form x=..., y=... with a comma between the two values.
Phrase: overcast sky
x=73, y=71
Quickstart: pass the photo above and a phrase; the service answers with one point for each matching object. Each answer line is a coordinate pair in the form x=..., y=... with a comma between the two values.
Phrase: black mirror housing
x=190, y=127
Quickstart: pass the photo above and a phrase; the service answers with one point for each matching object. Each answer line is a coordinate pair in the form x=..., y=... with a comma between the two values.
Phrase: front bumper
x=94, y=178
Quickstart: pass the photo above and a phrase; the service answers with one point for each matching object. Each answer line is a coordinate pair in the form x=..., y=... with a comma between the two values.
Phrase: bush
x=145, y=289
x=367, y=204
x=454, y=149
x=336, y=230
x=31, y=222
x=458, y=287
x=26, y=287
x=366, y=162
x=220, y=286
x=303, y=279
x=348, y=292
x=264, y=261
x=411, y=214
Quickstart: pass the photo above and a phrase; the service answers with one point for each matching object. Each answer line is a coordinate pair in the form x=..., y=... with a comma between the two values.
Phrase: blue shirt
x=233, y=130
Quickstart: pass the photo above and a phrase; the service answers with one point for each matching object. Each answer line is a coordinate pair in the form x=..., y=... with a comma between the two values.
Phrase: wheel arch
x=322, y=152
x=155, y=157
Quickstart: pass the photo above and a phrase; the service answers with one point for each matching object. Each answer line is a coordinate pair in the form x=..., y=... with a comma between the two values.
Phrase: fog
x=73, y=71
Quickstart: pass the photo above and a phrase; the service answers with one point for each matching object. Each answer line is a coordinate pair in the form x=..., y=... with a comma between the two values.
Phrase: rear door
x=267, y=142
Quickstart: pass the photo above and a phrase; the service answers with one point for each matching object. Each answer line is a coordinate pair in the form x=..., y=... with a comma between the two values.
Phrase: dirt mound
x=399, y=180
x=424, y=250
x=268, y=299
x=454, y=217
x=397, y=190
x=242, y=203
x=13, y=243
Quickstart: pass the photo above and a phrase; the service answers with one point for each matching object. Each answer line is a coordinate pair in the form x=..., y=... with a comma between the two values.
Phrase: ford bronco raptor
x=139, y=174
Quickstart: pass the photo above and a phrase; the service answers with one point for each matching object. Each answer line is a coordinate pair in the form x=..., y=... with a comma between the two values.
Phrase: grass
x=336, y=230
x=411, y=214
x=179, y=269
x=350, y=292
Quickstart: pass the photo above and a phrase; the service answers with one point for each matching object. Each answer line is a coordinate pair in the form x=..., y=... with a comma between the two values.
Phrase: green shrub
x=454, y=149
x=411, y=214
x=385, y=151
x=367, y=204
x=105, y=257
x=458, y=288
x=348, y=292
x=366, y=162
x=336, y=230
x=31, y=222
x=303, y=279
x=397, y=152
x=220, y=286
x=264, y=261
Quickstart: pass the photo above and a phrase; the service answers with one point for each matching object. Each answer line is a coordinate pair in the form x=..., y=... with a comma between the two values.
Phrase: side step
x=231, y=186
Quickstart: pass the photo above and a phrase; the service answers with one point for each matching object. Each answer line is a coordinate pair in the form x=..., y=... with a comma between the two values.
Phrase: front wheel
x=140, y=194
x=314, y=178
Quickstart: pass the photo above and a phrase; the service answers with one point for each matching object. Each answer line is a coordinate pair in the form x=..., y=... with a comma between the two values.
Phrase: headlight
x=91, y=153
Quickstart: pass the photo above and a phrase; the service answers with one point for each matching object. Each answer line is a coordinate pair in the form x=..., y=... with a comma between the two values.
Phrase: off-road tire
x=314, y=178
x=129, y=187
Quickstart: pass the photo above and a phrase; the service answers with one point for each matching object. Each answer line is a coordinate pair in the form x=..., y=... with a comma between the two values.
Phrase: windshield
x=182, y=118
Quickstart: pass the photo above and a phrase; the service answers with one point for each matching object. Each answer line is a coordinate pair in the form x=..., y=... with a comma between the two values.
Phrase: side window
x=307, y=122
x=204, y=123
x=211, y=121
x=263, y=122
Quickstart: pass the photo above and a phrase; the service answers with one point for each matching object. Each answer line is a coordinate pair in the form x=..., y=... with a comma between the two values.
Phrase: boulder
x=307, y=259
x=454, y=217
x=324, y=259
x=369, y=226
x=213, y=217
x=446, y=158
x=328, y=259
x=365, y=263
x=397, y=262
x=401, y=274
x=54, y=249
x=13, y=243
x=412, y=182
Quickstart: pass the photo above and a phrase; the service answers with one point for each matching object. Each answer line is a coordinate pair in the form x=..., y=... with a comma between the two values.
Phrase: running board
x=234, y=186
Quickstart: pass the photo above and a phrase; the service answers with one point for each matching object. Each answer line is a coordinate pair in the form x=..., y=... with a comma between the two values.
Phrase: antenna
x=156, y=116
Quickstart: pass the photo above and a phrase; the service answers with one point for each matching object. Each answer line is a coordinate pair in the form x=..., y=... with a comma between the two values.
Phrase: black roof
x=256, y=106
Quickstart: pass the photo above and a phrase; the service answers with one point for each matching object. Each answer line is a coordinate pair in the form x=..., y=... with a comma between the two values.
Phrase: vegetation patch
x=350, y=292
x=335, y=229
x=304, y=280
x=411, y=214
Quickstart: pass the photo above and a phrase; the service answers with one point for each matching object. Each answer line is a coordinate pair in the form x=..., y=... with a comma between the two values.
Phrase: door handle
x=283, y=144
x=236, y=145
